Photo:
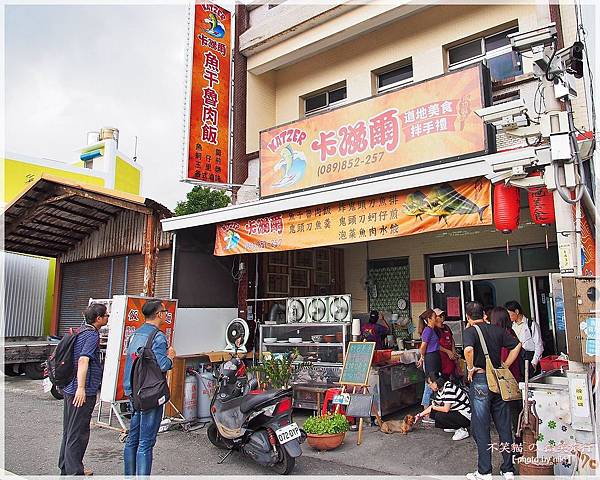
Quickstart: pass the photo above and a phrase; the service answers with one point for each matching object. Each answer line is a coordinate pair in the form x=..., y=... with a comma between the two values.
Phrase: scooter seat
x=251, y=401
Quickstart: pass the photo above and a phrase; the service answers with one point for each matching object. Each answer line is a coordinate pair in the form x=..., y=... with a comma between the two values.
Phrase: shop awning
x=52, y=215
x=458, y=170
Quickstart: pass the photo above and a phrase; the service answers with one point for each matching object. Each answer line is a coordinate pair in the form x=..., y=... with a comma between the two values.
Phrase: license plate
x=287, y=433
x=47, y=384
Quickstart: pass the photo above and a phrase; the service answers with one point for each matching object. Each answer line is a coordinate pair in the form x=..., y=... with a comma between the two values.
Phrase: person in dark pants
x=450, y=407
x=529, y=334
x=144, y=426
x=484, y=403
x=499, y=316
x=80, y=393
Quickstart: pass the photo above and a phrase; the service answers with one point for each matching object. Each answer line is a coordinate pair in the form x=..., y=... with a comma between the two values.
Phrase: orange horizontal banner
x=427, y=122
x=439, y=207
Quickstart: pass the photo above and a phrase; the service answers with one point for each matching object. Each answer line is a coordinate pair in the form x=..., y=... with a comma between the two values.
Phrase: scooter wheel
x=56, y=392
x=286, y=464
x=215, y=437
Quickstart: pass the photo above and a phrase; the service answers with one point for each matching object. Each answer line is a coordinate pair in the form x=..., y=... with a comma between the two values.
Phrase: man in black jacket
x=485, y=403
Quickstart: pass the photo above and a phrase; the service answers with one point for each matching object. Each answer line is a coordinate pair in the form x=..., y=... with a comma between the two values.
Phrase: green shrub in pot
x=326, y=424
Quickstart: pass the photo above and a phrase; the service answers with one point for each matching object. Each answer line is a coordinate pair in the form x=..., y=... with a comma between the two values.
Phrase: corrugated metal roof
x=55, y=217
x=121, y=235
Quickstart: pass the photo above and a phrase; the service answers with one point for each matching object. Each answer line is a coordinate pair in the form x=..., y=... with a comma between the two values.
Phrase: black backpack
x=61, y=368
x=149, y=387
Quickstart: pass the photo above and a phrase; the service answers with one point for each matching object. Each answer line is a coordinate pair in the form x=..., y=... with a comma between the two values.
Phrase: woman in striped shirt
x=450, y=408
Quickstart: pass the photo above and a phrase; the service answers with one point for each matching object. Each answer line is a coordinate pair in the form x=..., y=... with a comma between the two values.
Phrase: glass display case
x=321, y=344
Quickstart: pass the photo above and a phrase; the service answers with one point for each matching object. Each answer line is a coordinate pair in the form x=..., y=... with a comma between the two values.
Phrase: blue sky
x=75, y=68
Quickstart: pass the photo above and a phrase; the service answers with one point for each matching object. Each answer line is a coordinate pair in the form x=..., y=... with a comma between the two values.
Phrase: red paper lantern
x=541, y=204
x=506, y=207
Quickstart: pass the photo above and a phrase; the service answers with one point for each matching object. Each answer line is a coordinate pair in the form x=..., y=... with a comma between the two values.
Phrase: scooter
x=256, y=423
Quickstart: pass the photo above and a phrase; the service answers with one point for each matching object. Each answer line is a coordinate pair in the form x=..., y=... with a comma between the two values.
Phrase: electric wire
x=554, y=46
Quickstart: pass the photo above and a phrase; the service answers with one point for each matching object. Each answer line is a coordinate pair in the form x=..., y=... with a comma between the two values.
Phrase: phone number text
x=346, y=164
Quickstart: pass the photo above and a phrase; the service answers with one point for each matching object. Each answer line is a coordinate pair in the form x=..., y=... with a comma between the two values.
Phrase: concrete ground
x=33, y=428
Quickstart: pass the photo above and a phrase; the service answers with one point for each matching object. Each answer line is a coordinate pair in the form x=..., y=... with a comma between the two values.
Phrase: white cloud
x=72, y=69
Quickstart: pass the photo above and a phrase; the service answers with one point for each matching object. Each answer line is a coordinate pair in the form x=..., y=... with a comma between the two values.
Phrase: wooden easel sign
x=355, y=374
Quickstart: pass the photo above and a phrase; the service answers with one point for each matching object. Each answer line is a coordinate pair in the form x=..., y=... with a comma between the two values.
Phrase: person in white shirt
x=529, y=334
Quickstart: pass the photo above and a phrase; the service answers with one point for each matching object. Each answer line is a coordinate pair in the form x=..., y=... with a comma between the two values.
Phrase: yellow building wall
x=423, y=36
x=18, y=173
x=49, y=295
x=127, y=177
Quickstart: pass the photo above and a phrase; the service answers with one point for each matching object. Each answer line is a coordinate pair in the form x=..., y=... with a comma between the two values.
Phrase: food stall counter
x=396, y=383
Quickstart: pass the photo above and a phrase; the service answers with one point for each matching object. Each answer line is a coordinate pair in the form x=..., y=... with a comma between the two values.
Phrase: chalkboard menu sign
x=358, y=363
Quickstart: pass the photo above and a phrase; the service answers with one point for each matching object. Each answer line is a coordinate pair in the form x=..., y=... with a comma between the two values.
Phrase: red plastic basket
x=381, y=356
x=553, y=362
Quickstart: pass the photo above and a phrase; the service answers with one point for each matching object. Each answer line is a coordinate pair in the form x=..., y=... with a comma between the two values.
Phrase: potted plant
x=276, y=369
x=326, y=432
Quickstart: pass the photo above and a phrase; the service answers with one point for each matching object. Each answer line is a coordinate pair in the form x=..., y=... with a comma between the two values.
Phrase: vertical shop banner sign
x=439, y=207
x=134, y=319
x=417, y=125
x=207, y=159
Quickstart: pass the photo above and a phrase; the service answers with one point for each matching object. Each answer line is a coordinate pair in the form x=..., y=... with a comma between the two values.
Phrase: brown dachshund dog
x=397, y=426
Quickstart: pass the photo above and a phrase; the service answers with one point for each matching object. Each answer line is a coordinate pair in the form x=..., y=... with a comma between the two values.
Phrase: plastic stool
x=329, y=394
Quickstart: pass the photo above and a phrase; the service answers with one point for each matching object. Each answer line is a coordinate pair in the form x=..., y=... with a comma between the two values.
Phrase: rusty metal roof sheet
x=53, y=215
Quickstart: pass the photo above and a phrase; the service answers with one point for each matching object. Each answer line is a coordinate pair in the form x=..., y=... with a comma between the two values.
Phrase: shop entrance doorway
x=492, y=278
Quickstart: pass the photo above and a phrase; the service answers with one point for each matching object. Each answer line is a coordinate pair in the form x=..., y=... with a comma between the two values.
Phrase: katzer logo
x=216, y=28
x=232, y=238
x=292, y=165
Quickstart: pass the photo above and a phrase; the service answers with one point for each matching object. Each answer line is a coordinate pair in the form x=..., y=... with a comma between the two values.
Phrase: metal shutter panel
x=26, y=282
x=80, y=282
x=118, y=277
x=135, y=275
x=162, y=288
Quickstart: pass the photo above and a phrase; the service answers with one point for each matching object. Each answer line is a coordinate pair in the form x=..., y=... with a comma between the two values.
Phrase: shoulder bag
x=500, y=380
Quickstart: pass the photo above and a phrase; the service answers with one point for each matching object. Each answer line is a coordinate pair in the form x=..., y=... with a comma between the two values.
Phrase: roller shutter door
x=163, y=274
x=135, y=275
x=80, y=282
x=118, y=276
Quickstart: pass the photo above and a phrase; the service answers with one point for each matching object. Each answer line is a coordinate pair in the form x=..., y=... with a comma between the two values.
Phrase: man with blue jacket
x=144, y=425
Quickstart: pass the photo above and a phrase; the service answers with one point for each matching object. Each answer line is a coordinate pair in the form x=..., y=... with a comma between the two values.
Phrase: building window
x=394, y=76
x=323, y=100
x=494, y=50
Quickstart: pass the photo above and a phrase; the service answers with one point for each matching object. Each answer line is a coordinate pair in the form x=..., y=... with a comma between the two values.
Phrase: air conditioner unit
x=340, y=308
x=295, y=310
x=316, y=309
